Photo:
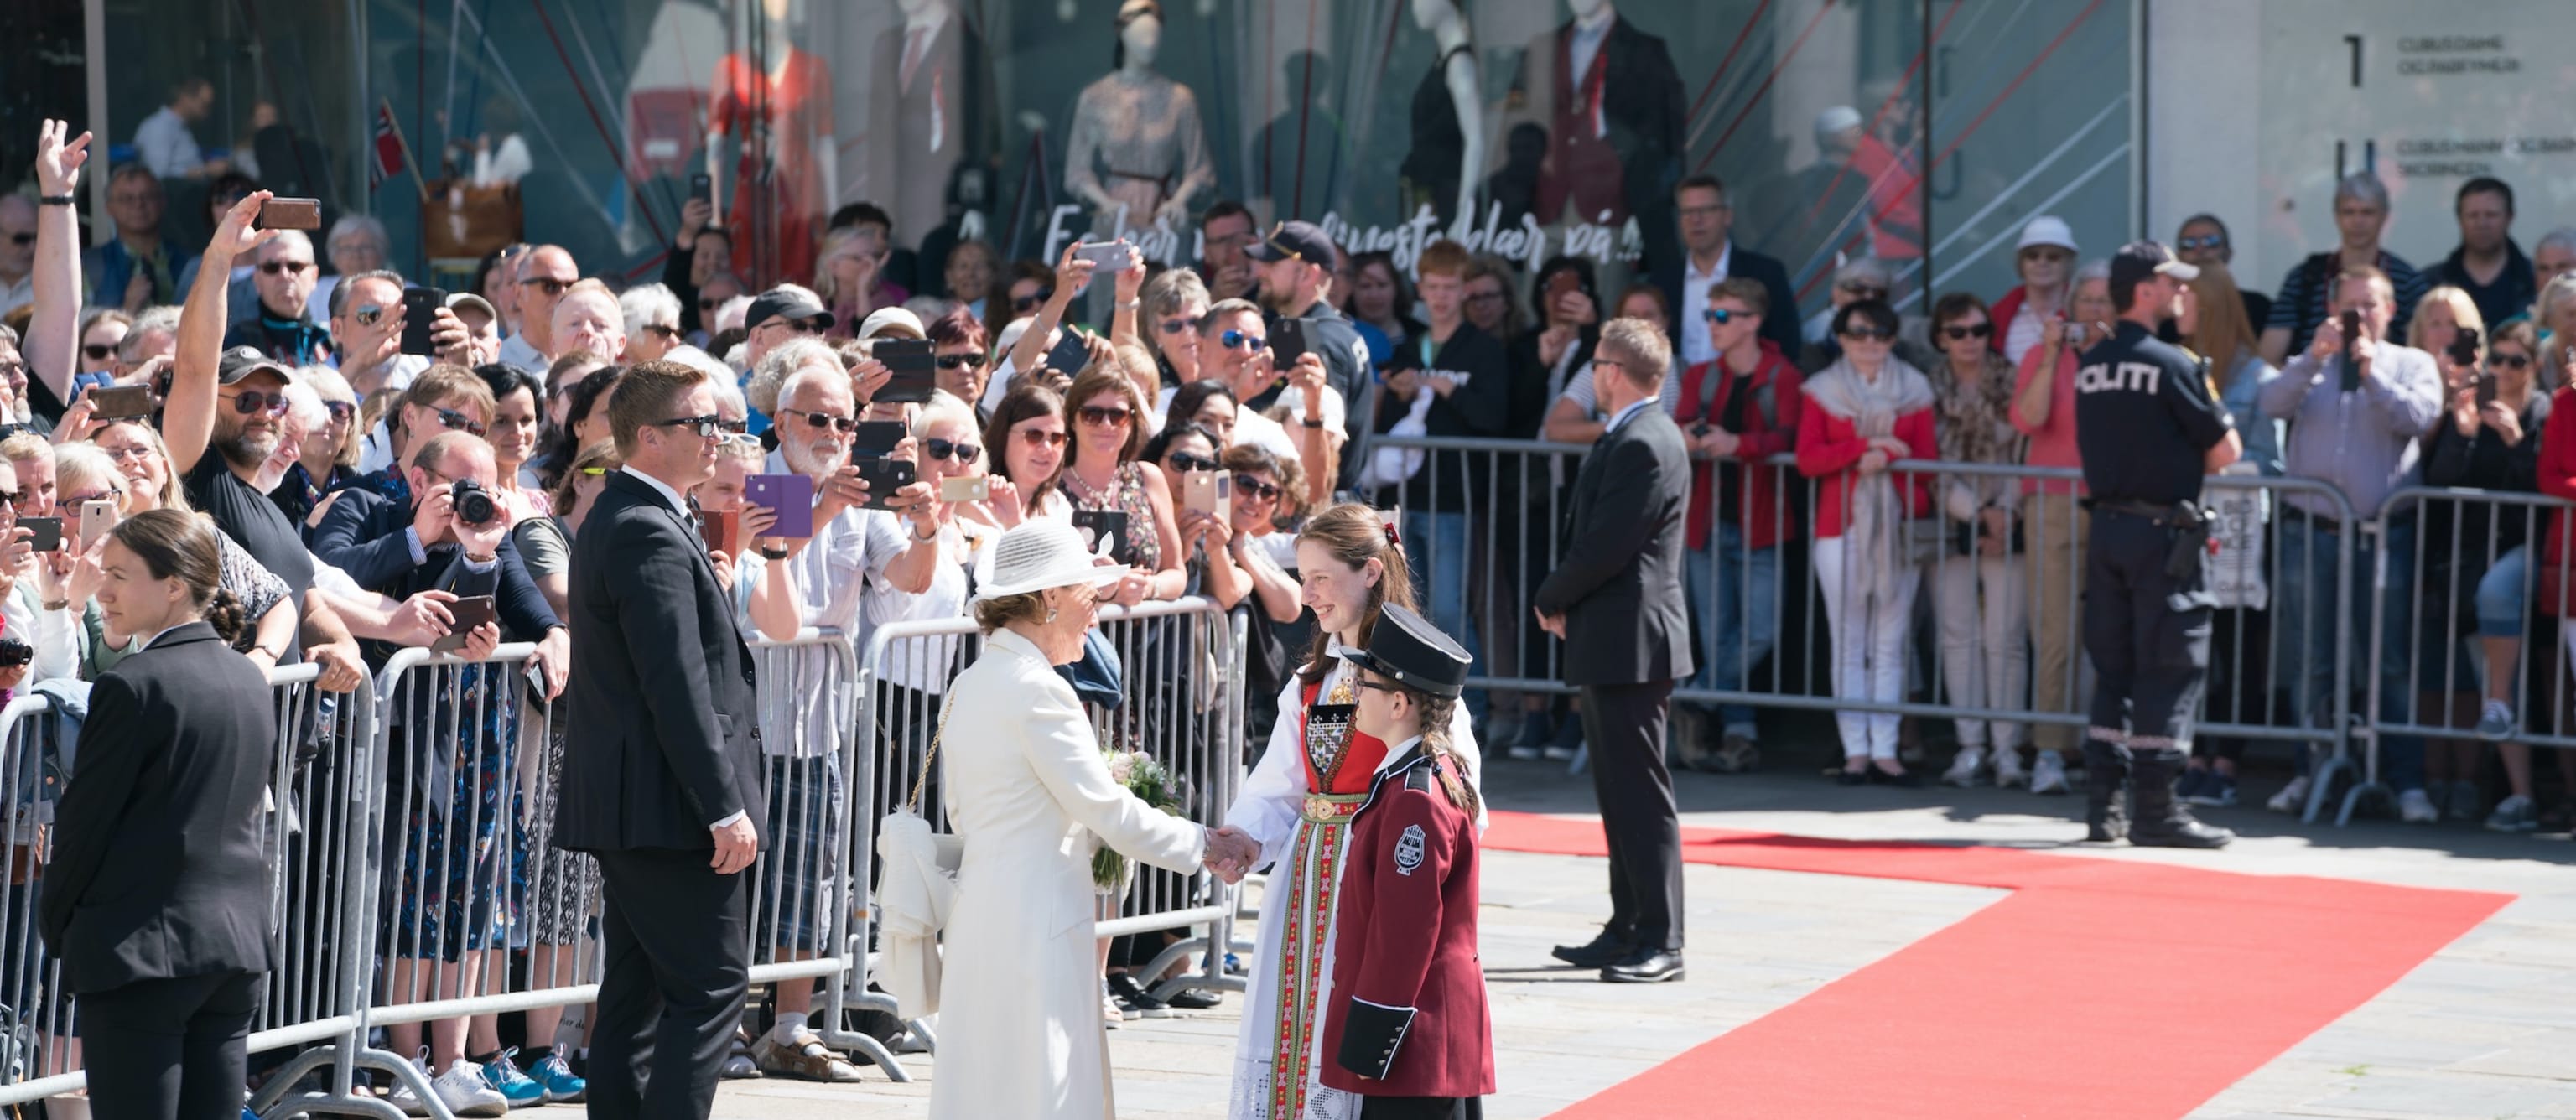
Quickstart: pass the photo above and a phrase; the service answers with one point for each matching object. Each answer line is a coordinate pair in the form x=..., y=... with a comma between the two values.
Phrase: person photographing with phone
x=2056, y=525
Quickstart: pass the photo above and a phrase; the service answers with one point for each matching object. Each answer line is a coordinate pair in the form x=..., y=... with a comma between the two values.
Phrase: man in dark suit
x=399, y=532
x=1686, y=272
x=1616, y=601
x=661, y=771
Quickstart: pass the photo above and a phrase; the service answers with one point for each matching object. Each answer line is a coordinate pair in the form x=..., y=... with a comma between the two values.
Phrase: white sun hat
x=1043, y=553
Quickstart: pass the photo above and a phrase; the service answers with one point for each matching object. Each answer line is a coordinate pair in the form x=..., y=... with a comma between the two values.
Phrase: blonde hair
x=2220, y=330
x=2464, y=315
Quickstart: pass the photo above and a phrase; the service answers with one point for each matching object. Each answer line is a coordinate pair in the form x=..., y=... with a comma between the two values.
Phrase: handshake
x=1230, y=853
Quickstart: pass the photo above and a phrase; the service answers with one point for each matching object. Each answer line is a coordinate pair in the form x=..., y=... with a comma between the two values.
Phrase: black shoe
x=1851, y=777
x=1134, y=999
x=1194, y=999
x=1603, y=950
x=2105, y=773
x=1645, y=966
x=2159, y=820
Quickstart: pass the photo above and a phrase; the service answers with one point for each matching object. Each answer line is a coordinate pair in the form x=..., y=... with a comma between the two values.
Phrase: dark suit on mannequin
x=157, y=895
x=659, y=749
x=1627, y=639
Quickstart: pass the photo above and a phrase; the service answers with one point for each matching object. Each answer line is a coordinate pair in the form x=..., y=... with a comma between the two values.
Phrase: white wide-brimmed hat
x=1043, y=553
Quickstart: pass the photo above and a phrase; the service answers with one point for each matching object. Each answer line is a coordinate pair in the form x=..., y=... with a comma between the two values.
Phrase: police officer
x=2150, y=426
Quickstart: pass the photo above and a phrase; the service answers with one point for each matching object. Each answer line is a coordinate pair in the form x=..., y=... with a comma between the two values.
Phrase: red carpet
x=2103, y=989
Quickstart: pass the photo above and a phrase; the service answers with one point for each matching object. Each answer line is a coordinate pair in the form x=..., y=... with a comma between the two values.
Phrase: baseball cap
x=459, y=301
x=2139, y=260
x=1304, y=241
x=2047, y=229
x=786, y=303
x=882, y=322
x=1837, y=119
x=242, y=361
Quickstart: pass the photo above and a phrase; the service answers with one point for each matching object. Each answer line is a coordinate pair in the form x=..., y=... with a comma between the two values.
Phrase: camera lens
x=473, y=505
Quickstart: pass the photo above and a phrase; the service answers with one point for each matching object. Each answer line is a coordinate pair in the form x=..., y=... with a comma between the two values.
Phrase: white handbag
x=917, y=889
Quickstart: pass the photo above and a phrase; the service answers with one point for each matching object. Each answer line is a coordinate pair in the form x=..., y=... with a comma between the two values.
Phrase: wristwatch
x=1312, y=422
x=773, y=553
x=918, y=537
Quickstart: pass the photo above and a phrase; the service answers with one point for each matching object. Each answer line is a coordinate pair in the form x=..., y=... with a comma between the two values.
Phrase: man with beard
x=851, y=549
x=1295, y=264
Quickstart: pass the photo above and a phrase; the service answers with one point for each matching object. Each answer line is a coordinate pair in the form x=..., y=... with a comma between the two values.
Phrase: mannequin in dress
x=1136, y=144
x=1448, y=154
x=779, y=106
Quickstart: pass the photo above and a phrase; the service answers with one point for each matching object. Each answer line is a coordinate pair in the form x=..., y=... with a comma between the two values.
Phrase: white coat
x=1020, y=1030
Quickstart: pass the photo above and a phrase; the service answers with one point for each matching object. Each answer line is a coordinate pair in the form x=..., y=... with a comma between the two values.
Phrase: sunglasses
x=11, y=497
x=1031, y=302
x=1099, y=417
x=273, y=268
x=455, y=421
x=1721, y=316
x=341, y=411
x=1957, y=334
x=552, y=286
x=942, y=449
x=1040, y=437
x=706, y=427
x=820, y=420
x=22, y=239
x=252, y=402
x=1237, y=340
x=2204, y=241
x=1867, y=334
x=971, y=358
x=1246, y=484
x=1184, y=461
x=1176, y=326
x=706, y=305
x=1865, y=291
x=368, y=315
x=98, y=353
x=2508, y=361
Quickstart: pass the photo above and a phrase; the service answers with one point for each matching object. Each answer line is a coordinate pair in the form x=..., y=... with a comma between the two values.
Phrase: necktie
x=913, y=48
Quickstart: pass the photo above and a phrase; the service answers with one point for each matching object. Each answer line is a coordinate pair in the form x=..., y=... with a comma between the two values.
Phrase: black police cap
x=1406, y=648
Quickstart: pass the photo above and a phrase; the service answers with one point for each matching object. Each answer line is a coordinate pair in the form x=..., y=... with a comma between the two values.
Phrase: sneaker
x=562, y=1087
x=807, y=1059
x=2193, y=780
x=1194, y=999
x=2008, y=771
x=502, y=1074
x=2466, y=802
x=2219, y=791
x=2292, y=799
x=1963, y=767
x=1737, y=753
x=2514, y=815
x=403, y=1098
x=1134, y=999
x=2413, y=807
x=2049, y=774
x=2495, y=724
x=1110, y=1016
x=465, y=1093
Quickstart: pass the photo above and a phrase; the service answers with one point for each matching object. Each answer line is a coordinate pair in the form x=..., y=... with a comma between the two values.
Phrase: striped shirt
x=2301, y=305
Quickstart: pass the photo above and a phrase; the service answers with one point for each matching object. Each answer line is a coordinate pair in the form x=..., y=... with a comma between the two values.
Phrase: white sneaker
x=2293, y=797
x=465, y=1093
x=406, y=1100
x=2008, y=771
x=1110, y=1016
x=2049, y=774
x=1963, y=768
x=2413, y=807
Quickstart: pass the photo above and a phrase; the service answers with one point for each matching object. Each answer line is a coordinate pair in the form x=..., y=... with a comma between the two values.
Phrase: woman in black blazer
x=156, y=898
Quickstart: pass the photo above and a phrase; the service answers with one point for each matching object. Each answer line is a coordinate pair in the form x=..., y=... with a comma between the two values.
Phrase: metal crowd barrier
x=36, y=1024
x=1182, y=702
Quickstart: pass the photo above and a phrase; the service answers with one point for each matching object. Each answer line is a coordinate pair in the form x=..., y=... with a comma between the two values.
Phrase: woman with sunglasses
x=1176, y=303
x=1104, y=474
x=1184, y=450
x=1026, y=438
x=1018, y=295
x=443, y=398
x=2055, y=524
x=99, y=335
x=327, y=458
x=1867, y=410
x=1977, y=594
x=2045, y=262
x=957, y=345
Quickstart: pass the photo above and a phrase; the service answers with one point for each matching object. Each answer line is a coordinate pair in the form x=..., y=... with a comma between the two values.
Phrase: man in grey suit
x=661, y=771
x=1616, y=601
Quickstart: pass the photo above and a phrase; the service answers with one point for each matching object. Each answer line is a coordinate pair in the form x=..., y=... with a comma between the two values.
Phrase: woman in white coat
x=1026, y=789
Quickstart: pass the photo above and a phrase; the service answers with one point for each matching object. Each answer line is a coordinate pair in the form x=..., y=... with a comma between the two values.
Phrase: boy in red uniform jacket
x=1408, y=1027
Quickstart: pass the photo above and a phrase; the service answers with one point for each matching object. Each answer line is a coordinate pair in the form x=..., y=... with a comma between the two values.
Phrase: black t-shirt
x=253, y=522
x=2144, y=413
x=1478, y=408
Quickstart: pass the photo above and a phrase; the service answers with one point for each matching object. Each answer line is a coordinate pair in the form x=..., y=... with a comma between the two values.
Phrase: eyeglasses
x=12, y=497
x=2204, y=241
x=738, y=428
x=98, y=353
x=942, y=449
x=1246, y=484
x=1237, y=340
x=341, y=411
x=123, y=452
x=971, y=358
x=706, y=304
x=706, y=427
x=252, y=402
x=2508, y=361
x=1040, y=437
x=455, y=421
x=1721, y=316
x=273, y=268
x=369, y=314
x=74, y=501
x=552, y=286
x=1485, y=297
x=1865, y=291
x=1184, y=461
x=1974, y=330
x=1187, y=323
x=1865, y=334
x=1099, y=417
x=820, y=420
x=1030, y=302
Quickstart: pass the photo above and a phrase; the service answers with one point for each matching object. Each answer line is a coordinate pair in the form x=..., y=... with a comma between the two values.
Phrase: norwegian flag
x=389, y=148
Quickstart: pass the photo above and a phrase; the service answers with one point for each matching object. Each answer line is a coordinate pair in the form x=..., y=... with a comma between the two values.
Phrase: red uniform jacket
x=1408, y=1015
x=1774, y=381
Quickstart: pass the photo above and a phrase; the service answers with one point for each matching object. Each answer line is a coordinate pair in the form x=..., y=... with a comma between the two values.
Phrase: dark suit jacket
x=1779, y=321
x=660, y=742
x=1619, y=585
x=157, y=868
x=363, y=536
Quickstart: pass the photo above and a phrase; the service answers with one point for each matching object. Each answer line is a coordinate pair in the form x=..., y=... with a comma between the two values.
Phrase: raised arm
x=188, y=417
x=53, y=331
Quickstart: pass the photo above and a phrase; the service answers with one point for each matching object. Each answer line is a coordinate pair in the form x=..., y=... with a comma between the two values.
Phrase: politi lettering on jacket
x=2126, y=377
x=1408, y=849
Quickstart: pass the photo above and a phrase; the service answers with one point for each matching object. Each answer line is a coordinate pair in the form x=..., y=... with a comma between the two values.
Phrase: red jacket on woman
x=1776, y=381
x=1830, y=448
x=2558, y=478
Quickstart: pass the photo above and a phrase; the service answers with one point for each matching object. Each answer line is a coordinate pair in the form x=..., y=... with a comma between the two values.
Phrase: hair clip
x=1391, y=536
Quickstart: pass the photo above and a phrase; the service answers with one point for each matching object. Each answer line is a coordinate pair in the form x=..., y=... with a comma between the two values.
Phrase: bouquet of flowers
x=1140, y=774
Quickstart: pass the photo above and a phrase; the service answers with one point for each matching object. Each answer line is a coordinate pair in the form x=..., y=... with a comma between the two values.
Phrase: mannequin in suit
x=1614, y=146
x=661, y=773
x=1616, y=601
x=931, y=110
x=157, y=896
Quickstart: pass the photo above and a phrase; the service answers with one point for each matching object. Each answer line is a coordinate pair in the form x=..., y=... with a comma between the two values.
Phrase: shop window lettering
x=1528, y=243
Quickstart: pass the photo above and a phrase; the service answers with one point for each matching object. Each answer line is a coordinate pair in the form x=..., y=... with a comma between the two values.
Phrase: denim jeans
x=2500, y=594
x=2304, y=632
x=1737, y=592
x=1435, y=546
